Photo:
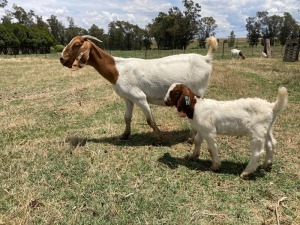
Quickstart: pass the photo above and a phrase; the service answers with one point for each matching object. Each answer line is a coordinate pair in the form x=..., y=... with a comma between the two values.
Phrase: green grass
x=62, y=163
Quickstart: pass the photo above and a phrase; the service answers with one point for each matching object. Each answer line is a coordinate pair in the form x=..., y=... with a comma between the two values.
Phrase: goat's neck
x=104, y=64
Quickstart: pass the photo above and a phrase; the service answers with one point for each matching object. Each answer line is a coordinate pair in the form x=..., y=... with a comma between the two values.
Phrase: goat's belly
x=158, y=101
x=231, y=129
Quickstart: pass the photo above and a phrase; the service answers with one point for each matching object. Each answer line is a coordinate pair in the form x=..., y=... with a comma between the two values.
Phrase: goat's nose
x=61, y=59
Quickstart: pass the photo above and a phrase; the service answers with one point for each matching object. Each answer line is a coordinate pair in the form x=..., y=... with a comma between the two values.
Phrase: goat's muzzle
x=65, y=62
x=168, y=102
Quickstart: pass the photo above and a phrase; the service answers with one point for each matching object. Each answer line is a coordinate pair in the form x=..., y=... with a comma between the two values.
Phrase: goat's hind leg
x=270, y=149
x=144, y=106
x=127, y=118
x=213, y=150
x=257, y=145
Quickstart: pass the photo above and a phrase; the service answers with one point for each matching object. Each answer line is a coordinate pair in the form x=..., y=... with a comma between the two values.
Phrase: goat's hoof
x=190, y=141
x=191, y=157
x=268, y=167
x=124, y=137
x=244, y=175
x=215, y=168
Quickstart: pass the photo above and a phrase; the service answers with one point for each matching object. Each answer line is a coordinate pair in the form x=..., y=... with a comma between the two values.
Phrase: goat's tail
x=282, y=100
x=212, y=45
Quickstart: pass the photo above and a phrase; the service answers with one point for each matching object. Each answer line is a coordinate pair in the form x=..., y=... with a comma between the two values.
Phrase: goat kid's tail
x=212, y=45
x=282, y=100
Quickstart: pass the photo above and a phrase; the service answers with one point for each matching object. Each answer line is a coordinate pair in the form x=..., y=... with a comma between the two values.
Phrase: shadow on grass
x=142, y=139
x=227, y=167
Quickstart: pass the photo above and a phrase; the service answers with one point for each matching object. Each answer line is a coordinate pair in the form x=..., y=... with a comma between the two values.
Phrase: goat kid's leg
x=270, y=149
x=257, y=145
x=192, y=135
x=127, y=118
x=198, y=142
x=213, y=150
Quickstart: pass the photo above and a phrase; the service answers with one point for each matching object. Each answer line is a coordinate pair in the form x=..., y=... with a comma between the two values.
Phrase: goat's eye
x=175, y=93
x=76, y=45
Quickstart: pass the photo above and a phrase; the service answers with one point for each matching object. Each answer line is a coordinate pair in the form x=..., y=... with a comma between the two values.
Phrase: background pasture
x=61, y=161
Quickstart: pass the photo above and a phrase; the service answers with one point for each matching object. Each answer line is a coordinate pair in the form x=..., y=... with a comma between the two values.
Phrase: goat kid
x=247, y=116
x=140, y=81
x=237, y=53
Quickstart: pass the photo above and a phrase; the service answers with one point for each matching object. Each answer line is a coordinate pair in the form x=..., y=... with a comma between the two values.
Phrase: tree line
x=172, y=30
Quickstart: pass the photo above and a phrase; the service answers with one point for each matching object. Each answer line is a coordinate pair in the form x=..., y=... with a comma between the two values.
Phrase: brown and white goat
x=141, y=81
x=246, y=116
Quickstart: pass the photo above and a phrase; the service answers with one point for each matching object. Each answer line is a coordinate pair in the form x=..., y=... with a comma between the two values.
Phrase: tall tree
x=231, y=39
x=57, y=29
x=177, y=28
x=207, y=25
x=23, y=17
x=3, y=3
x=289, y=29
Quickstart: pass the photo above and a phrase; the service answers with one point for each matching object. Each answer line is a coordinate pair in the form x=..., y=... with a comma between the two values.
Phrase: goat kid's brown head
x=182, y=97
x=76, y=54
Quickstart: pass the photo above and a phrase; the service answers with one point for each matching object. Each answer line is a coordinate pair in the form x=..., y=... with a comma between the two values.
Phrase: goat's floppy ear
x=183, y=103
x=83, y=56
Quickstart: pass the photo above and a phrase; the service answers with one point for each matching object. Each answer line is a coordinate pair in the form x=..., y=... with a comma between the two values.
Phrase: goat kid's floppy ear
x=183, y=103
x=83, y=56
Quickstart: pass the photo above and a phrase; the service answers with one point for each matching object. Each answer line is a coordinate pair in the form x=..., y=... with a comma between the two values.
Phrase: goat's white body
x=237, y=118
x=253, y=117
x=152, y=78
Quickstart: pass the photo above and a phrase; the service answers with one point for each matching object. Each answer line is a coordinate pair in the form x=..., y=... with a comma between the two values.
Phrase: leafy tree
x=23, y=17
x=125, y=36
x=231, y=39
x=253, y=27
x=3, y=3
x=177, y=28
x=57, y=29
x=8, y=41
x=73, y=30
x=207, y=25
x=289, y=29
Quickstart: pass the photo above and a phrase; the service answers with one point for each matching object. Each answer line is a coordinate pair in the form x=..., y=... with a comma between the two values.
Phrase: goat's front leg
x=192, y=135
x=127, y=118
x=198, y=142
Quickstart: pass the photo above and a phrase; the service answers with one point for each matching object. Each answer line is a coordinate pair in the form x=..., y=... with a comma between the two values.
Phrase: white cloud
x=229, y=15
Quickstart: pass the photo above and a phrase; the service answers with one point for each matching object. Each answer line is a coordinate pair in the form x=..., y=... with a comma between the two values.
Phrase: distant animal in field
x=264, y=55
x=140, y=81
x=235, y=53
x=253, y=117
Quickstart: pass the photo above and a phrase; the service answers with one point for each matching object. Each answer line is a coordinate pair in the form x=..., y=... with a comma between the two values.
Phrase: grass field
x=62, y=163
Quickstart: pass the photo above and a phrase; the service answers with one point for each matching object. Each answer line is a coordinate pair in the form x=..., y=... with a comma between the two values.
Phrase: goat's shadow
x=142, y=139
x=170, y=138
x=228, y=167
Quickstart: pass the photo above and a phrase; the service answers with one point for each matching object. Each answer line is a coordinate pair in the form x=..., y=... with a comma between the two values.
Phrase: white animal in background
x=237, y=53
x=247, y=116
x=141, y=81
x=264, y=55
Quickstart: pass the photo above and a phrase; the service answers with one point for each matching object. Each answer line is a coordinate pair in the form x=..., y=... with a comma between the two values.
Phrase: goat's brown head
x=242, y=55
x=182, y=97
x=76, y=54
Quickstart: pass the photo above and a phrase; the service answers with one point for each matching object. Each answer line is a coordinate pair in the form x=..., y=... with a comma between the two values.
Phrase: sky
x=230, y=15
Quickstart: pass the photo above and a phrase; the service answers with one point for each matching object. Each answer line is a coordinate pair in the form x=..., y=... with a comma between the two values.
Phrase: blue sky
x=230, y=15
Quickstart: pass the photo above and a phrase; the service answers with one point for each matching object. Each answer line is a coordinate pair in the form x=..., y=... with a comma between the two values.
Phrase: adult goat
x=141, y=81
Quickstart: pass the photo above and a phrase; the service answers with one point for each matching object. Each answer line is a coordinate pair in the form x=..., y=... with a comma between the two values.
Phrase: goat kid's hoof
x=268, y=167
x=191, y=157
x=190, y=141
x=215, y=168
x=244, y=175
